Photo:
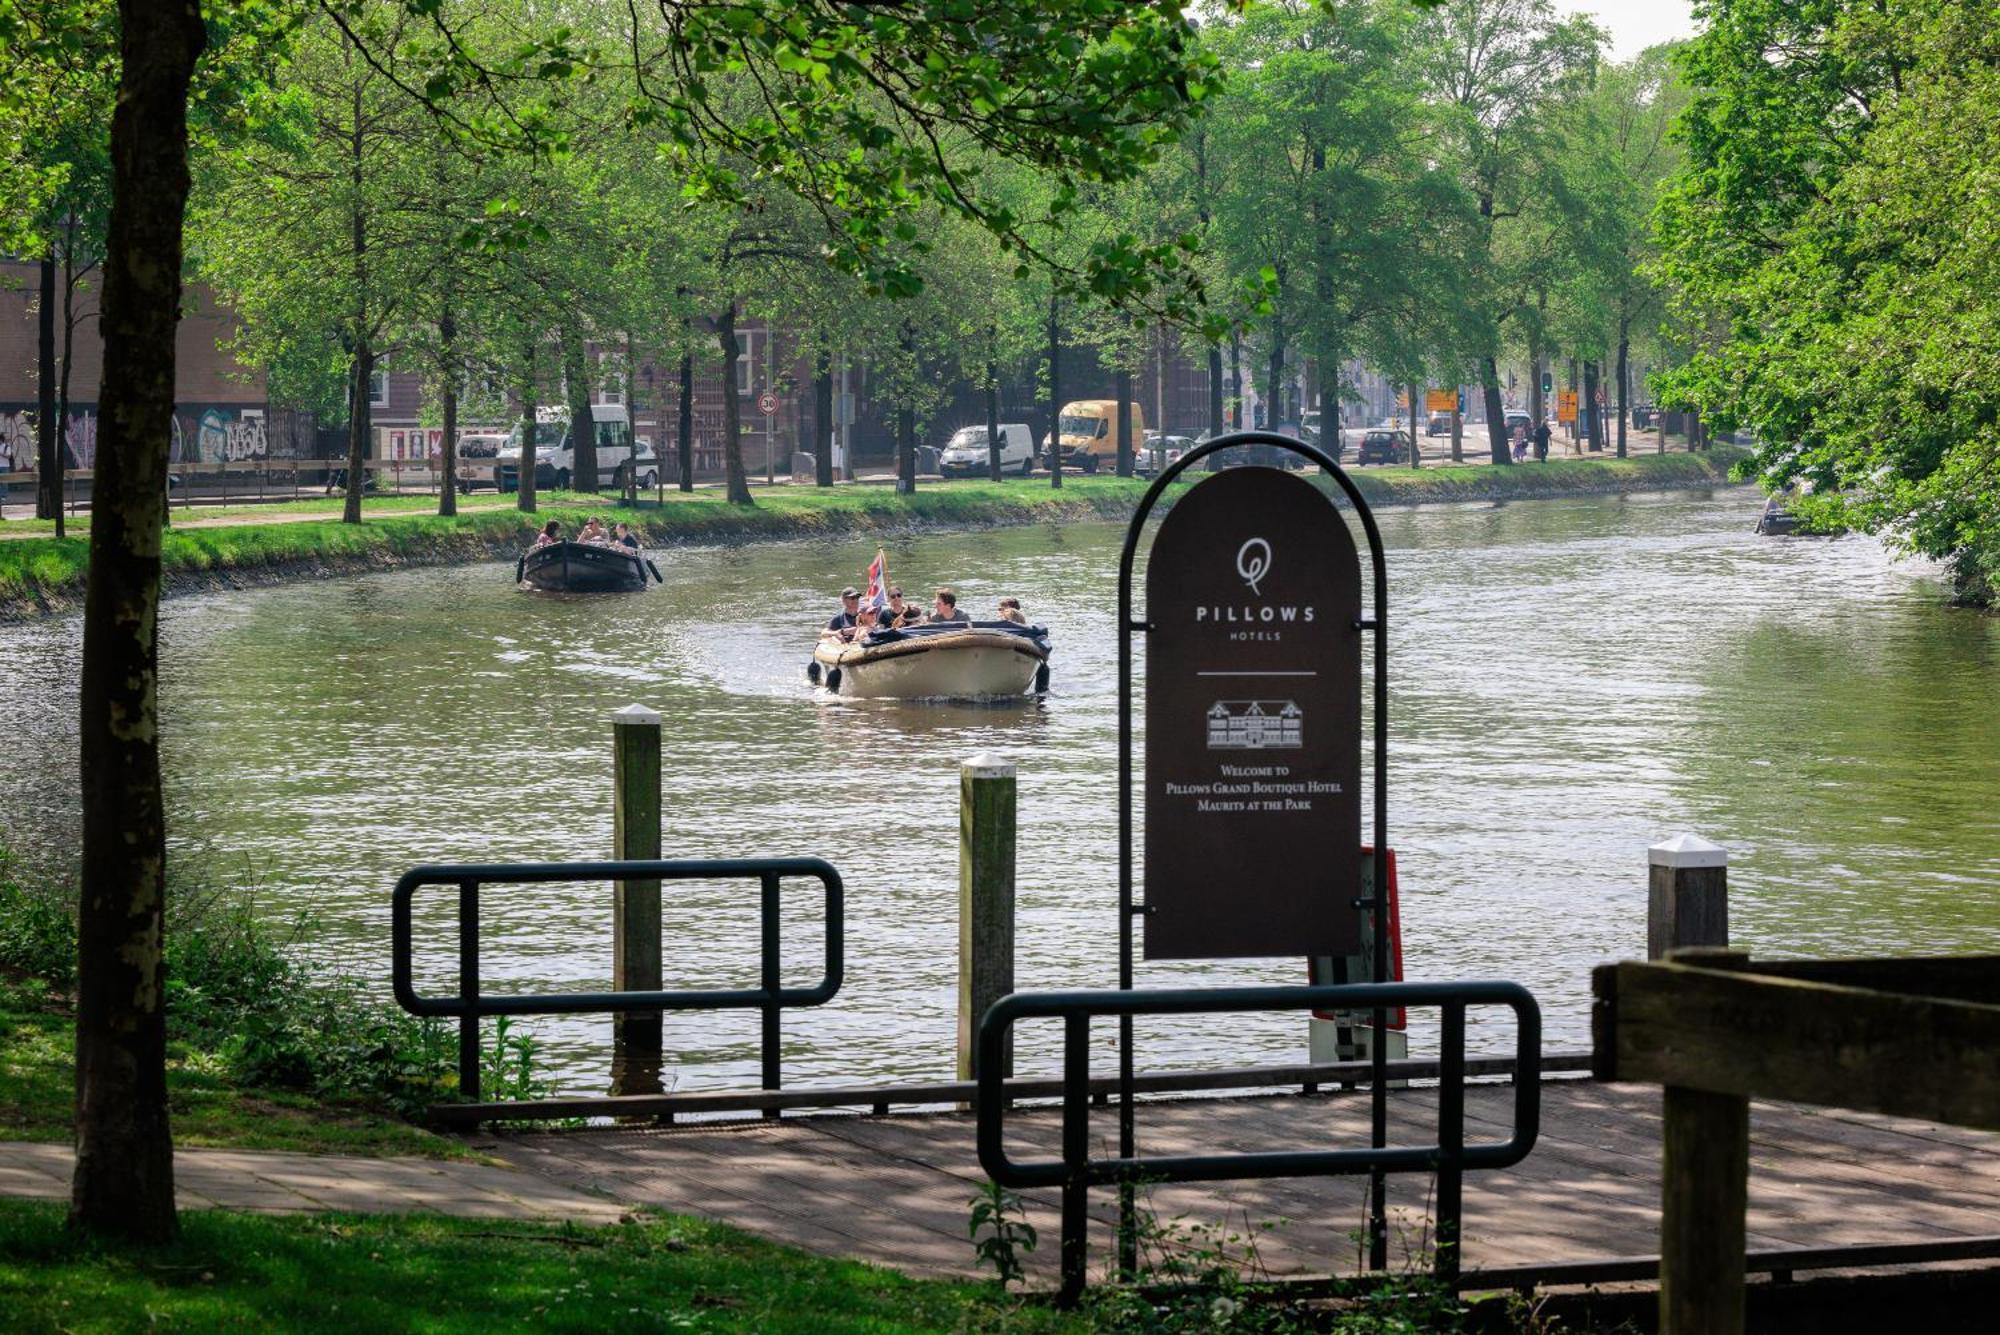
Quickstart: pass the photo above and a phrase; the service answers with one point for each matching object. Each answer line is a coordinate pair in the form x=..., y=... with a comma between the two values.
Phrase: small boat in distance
x=1777, y=521
x=584, y=567
x=954, y=660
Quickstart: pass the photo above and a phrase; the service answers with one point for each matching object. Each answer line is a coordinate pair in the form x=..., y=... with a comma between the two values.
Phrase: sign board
x=767, y=403
x=1253, y=723
x=1441, y=400
x=1566, y=406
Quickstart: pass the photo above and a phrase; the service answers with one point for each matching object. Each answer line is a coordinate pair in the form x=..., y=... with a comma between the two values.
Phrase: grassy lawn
x=38, y=1093
x=235, y=1272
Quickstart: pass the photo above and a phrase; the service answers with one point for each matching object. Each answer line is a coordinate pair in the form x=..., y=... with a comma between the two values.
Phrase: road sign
x=1440, y=400
x=1253, y=723
x=767, y=403
x=1566, y=406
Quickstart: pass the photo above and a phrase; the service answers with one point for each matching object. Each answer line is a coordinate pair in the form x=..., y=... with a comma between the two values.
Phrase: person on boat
x=593, y=532
x=946, y=608
x=625, y=537
x=551, y=533
x=850, y=606
x=1010, y=610
x=898, y=613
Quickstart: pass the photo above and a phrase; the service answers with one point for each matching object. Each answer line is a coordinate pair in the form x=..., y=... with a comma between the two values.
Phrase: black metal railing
x=1076, y=1171
x=770, y=996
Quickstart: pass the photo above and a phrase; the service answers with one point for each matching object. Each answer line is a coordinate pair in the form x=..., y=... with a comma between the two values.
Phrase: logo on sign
x=1253, y=562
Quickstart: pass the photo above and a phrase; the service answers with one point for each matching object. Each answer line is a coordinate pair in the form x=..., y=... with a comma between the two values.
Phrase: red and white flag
x=877, y=596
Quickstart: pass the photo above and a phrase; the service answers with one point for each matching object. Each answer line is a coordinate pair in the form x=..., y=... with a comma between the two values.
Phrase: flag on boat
x=878, y=582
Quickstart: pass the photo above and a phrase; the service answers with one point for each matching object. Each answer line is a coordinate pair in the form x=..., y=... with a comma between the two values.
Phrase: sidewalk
x=269, y=1182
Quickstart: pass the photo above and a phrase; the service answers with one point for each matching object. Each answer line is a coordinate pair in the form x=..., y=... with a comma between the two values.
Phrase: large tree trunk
x=48, y=452
x=524, y=470
x=358, y=425
x=684, y=424
x=1496, y=411
x=906, y=417
x=1214, y=389
x=1416, y=445
x=124, y=1179
x=1624, y=380
x=1235, y=382
x=63, y=452
x=992, y=409
x=1055, y=390
x=1593, y=430
x=1274, y=393
x=582, y=424
x=822, y=447
x=631, y=421
x=448, y=481
x=1125, y=442
x=737, y=484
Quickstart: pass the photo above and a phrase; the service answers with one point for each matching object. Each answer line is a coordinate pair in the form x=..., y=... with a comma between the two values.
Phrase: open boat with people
x=584, y=567
x=953, y=660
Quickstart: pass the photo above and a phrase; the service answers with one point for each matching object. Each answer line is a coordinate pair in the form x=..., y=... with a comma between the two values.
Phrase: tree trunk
x=1496, y=412
x=906, y=418
x=1624, y=380
x=1055, y=391
x=1586, y=408
x=737, y=484
x=684, y=424
x=992, y=409
x=1235, y=382
x=1458, y=427
x=582, y=423
x=63, y=452
x=631, y=421
x=357, y=429
x=823, y=419
x=1214, y=389
x=524, y=471
x=1125, y=443
x=448, y=482
x=1416, y=449
x=1274, y=393
x=124, y=1178
x=48, y=455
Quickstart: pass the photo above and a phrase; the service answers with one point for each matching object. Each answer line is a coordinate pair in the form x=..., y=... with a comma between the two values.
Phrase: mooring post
x=1687, y=895
x=1704, y=1189
x=986, y=807
x=635, y=905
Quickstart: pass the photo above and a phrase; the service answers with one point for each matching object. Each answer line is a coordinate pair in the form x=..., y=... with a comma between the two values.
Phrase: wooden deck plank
x=898, y=1189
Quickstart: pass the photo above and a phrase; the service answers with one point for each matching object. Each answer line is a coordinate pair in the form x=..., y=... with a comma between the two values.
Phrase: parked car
x=1382, y=446
x=1439, y=425
x=966, y=453
x=1159, y=452
x=1084, y=432
x=555, y=453
x=1516, y=417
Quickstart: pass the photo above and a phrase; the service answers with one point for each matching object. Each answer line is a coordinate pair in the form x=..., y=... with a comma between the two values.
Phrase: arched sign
x=1253, y=723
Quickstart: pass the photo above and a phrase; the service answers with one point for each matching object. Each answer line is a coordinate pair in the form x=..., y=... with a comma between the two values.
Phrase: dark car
x=1439, y=425
x=1383, y=447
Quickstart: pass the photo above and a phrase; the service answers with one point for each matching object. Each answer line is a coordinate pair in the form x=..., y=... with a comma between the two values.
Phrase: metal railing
x=1076, y=1171
x=770, y=996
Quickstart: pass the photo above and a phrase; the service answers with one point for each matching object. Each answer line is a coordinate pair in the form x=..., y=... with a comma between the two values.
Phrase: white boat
x=979, y=660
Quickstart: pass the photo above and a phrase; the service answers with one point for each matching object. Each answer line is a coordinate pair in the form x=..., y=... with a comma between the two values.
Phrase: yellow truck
x=1086, y=432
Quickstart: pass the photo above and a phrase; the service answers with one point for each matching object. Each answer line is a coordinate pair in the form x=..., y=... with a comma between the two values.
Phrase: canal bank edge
x=44, y=576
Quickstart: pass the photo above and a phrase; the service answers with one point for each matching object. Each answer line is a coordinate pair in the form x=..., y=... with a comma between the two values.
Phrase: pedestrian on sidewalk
x=1542, y=442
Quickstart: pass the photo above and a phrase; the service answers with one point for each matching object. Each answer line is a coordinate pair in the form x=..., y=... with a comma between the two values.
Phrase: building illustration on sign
x=1255, y=725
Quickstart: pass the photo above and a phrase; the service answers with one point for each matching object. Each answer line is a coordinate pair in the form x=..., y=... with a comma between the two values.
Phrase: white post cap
x=986, y=765
x=635, y=714
x=1685, y=852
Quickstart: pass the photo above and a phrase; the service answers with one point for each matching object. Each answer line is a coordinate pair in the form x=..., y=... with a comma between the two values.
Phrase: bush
x=235, y=990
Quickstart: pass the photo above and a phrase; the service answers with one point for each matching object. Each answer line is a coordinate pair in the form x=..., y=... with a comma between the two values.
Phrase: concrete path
x=270, y=1182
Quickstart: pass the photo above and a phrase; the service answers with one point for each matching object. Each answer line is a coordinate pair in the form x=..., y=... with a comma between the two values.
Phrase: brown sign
x=1253, y=723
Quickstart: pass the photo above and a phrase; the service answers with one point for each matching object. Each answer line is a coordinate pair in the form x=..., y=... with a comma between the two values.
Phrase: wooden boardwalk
x=897, y=1189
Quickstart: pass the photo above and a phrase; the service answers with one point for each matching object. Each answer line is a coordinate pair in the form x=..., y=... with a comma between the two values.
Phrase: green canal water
x=1571, y=681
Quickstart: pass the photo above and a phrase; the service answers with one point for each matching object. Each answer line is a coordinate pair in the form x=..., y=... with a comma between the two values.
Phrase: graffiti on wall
x=18, y=446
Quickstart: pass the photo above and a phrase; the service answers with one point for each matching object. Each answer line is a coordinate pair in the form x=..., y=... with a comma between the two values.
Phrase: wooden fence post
x=635, y=905
x=1704, y=1189
x=1687, y=895
x=985, y=898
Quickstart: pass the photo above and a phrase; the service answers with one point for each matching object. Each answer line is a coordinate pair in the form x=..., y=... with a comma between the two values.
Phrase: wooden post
x=1687, y=895
x=635, y=905
x=1704, y=1188
x=985, y=898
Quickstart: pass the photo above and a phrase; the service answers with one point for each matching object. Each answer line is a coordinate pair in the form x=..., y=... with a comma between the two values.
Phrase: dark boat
x=582, y=567
x=1777, y=521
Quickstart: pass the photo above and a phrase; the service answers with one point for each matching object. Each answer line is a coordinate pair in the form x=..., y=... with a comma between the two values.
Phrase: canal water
x=1571, y=681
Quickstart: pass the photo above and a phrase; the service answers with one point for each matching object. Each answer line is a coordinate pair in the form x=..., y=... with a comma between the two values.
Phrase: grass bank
x=346, y=1273
x=263, y=1053
x=39, y=575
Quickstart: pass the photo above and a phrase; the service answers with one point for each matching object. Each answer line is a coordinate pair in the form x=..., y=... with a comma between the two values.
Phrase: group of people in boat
x=593, y=532
x=856, y=621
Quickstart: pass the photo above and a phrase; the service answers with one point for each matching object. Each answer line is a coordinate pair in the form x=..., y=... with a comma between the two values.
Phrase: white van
x=555, y=453
x=965, y=453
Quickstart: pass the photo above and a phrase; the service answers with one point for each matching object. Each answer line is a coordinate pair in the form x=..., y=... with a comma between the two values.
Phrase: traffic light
x=1548, y=382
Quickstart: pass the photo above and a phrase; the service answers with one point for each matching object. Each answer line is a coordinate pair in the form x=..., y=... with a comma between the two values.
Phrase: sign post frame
x=1374, y=619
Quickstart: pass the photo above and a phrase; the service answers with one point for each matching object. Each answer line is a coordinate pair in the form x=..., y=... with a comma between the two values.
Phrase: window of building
x=378, y=385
